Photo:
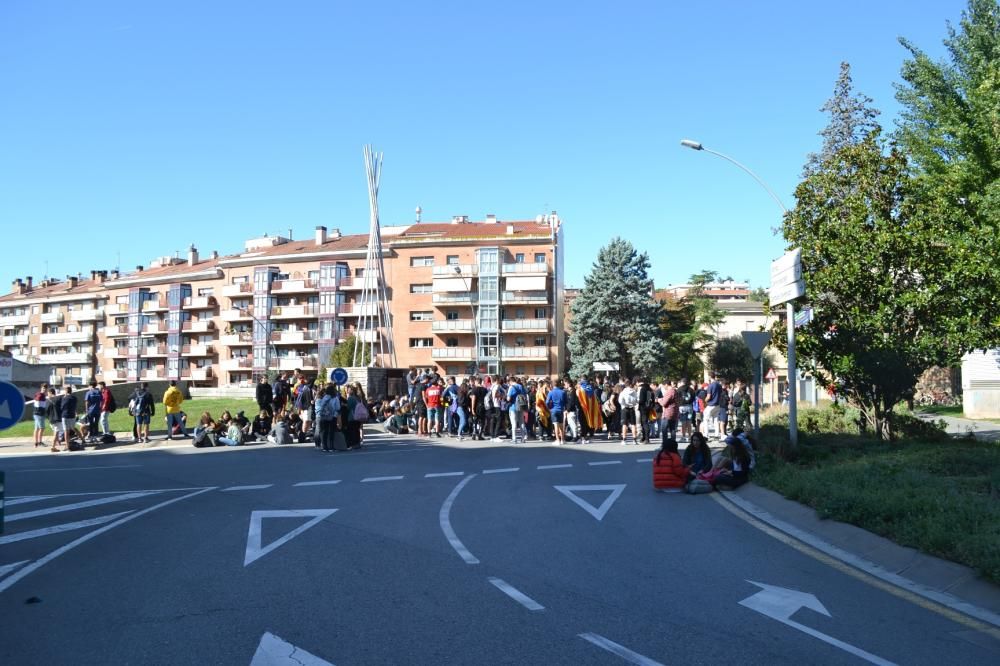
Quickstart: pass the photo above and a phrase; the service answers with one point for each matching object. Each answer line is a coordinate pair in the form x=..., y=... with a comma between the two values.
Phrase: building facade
x=464, y=297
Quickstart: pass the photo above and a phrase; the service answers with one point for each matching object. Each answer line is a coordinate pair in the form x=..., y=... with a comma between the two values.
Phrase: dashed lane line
x=619, y=650
x=605, y=462
x=642, y=460
x=372, y=479
x=302, y=484
x=562, y=466
x=260, y=486
x=437, y=475
x=516, y=594
x=501, y=470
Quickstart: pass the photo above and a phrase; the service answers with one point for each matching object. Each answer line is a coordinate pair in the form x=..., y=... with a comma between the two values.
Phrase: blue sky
x=136, y=128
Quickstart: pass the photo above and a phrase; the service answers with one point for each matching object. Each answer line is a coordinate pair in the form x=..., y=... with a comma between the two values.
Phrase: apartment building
x=464, y=296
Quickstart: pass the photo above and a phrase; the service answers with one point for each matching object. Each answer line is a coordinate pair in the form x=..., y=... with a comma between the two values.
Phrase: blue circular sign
x=339, y=376
x=11, y=405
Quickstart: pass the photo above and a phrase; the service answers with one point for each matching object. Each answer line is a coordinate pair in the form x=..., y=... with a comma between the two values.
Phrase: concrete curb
x=938, y=578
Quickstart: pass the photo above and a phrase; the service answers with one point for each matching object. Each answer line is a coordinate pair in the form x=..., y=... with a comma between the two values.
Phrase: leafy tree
x=689, y=327
x=759, y=295
x=950, y=128
x=342, y=356
x=730, y=360
x=615, y=318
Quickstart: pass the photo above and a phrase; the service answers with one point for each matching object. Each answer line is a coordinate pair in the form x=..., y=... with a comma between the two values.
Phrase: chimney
x=102, y=276
x=27, y=286
x=71, y=281
x=491, y=218
x=510, y=229
x=215, y=255
x=459, y=219
x=334, y=233
x=320, y=235
x=17, y=287
x=192, y=255
x=93, y=275
x=115, y=274
x=138, y=269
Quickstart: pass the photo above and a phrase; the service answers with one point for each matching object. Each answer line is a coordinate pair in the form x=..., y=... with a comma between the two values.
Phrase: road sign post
x=786, y=286
x=755, y=342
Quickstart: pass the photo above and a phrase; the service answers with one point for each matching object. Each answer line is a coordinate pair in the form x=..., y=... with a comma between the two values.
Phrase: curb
x=857, y=562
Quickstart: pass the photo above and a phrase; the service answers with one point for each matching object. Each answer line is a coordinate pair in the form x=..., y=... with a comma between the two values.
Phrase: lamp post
x=474, y=363
x=793, y=434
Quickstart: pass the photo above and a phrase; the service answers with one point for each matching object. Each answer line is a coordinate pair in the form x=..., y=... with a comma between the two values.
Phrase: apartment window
x=539, y=257
x=359, y=272
x=519, y=370
x=421, y=261
x=421, y=342
x=451, y=315
x=540, y=370
x=518, y=341
x=34, y=309
x=452, y=260
x=539, y=342
x=121, y=300
x=206, y=291
x=519, y=258
x=519, y=313
x=452, y=342
x=241, y=279
x=539, y=313
x=421, y=315
x=420, y=288
x=313, y=275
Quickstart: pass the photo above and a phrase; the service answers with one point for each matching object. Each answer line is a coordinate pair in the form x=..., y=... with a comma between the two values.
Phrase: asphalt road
x=411, y=552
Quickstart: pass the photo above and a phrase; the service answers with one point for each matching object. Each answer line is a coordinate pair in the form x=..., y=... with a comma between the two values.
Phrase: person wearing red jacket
x=669, y=473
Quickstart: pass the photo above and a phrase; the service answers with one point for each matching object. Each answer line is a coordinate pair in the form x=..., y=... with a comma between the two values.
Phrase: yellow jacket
x=172, y=400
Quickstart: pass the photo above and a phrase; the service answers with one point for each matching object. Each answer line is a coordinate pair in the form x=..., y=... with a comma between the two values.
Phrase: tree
x=342, y=356
x=615, y=318
x=730, y=360
x=852, y=118
x=950, y=128
x=689, y=327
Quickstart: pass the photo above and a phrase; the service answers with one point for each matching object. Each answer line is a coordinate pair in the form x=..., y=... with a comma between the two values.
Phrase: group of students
x=699, y=470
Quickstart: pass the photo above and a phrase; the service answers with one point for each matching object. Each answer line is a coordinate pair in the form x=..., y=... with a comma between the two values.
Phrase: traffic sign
x=789, y=260
x=339, y=376
x=756, y=341
x=11, y=405
x=789, y=292
x=771, y=375
x=803, y=317
x=787, y=276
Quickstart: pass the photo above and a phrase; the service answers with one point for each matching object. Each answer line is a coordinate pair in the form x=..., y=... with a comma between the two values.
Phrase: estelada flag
x=541, y=410
x=590, y=408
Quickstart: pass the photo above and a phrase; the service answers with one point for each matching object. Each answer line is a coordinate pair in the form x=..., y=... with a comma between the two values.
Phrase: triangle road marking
x=598, y=512
x=254, y=549
x=273, y=651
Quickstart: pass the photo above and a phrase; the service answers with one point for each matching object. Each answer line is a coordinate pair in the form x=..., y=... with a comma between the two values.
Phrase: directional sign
x=788, y=276
x=803, y=317
x=11, y=405
x=781, y=604
x=597, y=512
x=771, y=375
x=787, y=261
x=756, y=341
x=339, y=376
x=789, y=292
x=273, y=651
x=254, y=550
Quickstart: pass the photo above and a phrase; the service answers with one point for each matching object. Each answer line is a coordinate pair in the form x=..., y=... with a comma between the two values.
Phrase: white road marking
x=38, y=564
x=381, y=478
x=605, y=462
x=26, y=500
x=273, y=651
x=597, y=512
x=7, y=568
x=75, y=469
x=302, y=484
x=516, y=594
x=642, y=460
x=257, y=487
x=254, y=551
x=78, y=505
x=100, y=492
x=65, y=527
x=501, y=470
x=437, y=475
x=620, y=650
x=444, y=519
x=563, y=466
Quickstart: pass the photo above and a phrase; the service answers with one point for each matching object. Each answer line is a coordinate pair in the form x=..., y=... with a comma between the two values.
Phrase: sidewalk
x=987, y=431
x=944, y=582
x=20, y=446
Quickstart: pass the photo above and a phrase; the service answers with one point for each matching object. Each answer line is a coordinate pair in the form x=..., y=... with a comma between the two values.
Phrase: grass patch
x=941, y=497
x=942, y=410
x=122, y=422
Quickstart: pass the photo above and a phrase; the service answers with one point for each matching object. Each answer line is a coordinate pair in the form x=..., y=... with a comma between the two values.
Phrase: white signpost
x=786, y=286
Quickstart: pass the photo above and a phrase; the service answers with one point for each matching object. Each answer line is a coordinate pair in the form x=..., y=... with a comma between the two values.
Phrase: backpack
x=488, y=401
x=687, y=397
x=326, y=410
x=521, y=399
x=108, y=439
x=112, y=403
x=698, y=487
x=360, y=413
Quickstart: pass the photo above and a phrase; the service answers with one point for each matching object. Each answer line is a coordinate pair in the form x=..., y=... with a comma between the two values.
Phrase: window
x=359, y=272
x=313, y=275
x=121, y=300
x=241, y=279
x=519, y=258
x=539, y=313
x=421, y=261
x=539, y=257
x=452, y=260
x=539, y=342
x=519, y=341
x=421, y=315
x=420, y=288
x=206, y=291
x=451, y=315
x=519, y=313
x=519, y=371
x=452, y=342
x=540, y=370
x=34, y=309
x=421, y=342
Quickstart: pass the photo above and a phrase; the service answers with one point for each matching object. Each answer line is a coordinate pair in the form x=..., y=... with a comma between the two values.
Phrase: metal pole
x=793, y=427
x=758, y=377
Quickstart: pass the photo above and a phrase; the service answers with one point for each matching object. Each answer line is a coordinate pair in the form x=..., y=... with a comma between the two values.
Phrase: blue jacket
x=92, y=399
x=67, y=406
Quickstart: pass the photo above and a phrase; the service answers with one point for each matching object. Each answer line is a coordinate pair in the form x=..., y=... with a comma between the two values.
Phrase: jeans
x=572, y=426
x=516, y=422
x=172, y=420
x=669, y=427
x=93, y=418
x=462, y=419
x=228, y=442
x=105, y=423
x=327, y=429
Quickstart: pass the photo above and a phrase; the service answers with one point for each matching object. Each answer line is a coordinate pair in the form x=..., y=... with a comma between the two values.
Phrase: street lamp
x=474, y=363
x=793, y=434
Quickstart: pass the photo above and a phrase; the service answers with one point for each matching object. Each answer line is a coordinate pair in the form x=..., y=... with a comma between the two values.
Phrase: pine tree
x=342, y=356
x=852, y=117
x=615, y=318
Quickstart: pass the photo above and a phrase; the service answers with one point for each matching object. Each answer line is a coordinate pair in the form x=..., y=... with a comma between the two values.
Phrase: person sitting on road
x=734, y=465
x=280, y=432
x=697, y=455
x=397, y=424
x=233, y=435
x=261, y=425
x=669, y=473
x=204, y=432
x=296, y=427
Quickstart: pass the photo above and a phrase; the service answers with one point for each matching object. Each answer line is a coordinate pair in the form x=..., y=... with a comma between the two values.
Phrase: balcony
x=153, y=374
x=117, y=331
x=197, y=374
x=513, y=353
x=9, y=340
x=357, y=283
x=158, y=328
x=525, y=324
x=56, y=338
x=458, y=353
x=294, y=337
x=241, y=314
x=197, y=350
x=512, y=297
x=199, y=303
x=154, y=305
x=355, y=310
x=66, y=357
x=302, y=362
x=241, y=363
x=368, y=335
x=93, y=314
x=198, y=326
x=116, y=352
x=153, y=351
x=242, y=289
x=526, y=269
x=15, y=320
x=114, y=375
x=51, y=317
x=456, y=325
x=294, y=311
x=465, y=270
x=294, y=286
x=455, y=299
x=237, y=339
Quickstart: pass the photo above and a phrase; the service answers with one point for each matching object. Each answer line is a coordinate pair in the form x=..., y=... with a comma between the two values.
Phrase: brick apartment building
x=463, y=295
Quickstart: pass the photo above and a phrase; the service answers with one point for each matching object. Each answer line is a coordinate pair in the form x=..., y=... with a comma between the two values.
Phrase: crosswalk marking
x=65, y=527
x=79, y=505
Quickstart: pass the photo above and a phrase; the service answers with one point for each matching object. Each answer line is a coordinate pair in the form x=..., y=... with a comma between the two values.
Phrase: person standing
x=172, y=401
x=517, y=400
x=571, y=431
x=411, y=383
x=304, y=403
x=435, y=415
x=142, y=411
x=92, y=406
x=67, y=414
x=38, y=412
x=107, y=407
x=685, y=408
x=646, y=402
x=555, y=401
x=713, y=396
x=54, y=415
x=264, y=395
x=479, y=395
x=590, y=410
x=671, y=411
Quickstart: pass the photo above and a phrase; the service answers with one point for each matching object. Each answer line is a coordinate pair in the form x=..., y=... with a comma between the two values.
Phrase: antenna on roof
x=419, y=211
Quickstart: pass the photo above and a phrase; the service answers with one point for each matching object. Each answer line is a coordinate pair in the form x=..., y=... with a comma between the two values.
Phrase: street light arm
x=694, y=145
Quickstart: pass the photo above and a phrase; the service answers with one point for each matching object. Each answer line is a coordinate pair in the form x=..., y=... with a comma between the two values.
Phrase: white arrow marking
x=273, y=651
x=4, y=410
x=254, y=550
x=597, y=512
x=78, y=505
x=779, y=603
x=65, y=527
x=7, y=568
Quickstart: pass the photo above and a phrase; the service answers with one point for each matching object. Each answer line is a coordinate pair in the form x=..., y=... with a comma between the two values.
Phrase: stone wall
x=378, y=383
x=122, y=393
x=939, y=386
